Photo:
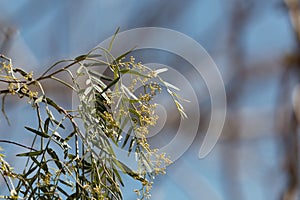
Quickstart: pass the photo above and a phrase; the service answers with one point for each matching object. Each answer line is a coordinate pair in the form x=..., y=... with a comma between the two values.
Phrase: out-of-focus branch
x=293, y=9
x=239, y=18
x=289, y=127
x=7, y=33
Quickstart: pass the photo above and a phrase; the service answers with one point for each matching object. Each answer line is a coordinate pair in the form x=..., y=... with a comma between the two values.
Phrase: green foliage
x=113, y=116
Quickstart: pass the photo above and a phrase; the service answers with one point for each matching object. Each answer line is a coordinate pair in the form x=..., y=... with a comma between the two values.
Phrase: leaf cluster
x=71, y=162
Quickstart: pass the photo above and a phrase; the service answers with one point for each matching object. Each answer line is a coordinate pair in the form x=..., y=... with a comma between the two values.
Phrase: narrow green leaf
x=32, y=153
x=116, y=173
x=132, y=100
x=121, y=128
x=131, y=146
x=123, y=55
x=88, y=90
x=65, y=183
x=70, y=136
x=42, y=165
x=127, y=137
x=98, y=75
x=97, y=88
x=113, y=39
x=56, y=159
x=53, y=104
x=79, y=70
x=94, y=55
x=37, y=132
x=130, y=172
x=99, y=82
x=110, y=84
x=80, y=58
x=169, y=85
x=62, y=191
x=161, y=70
x=71, y=157
x=58, y=123
x=46, y=125
x=100, y=106
x=146, y=163
x=93, y=64
x=128, y=92
x=134, y=112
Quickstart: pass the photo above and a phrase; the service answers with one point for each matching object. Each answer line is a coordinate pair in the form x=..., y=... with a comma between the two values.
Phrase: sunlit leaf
x=171, y=86
x=158, y=71
x=128, y=92
x=113, y=39
x=32, y=153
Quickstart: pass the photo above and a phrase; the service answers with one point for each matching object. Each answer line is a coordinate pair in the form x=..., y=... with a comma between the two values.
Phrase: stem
x=77, y=166
x=12, y=81
x=51, y=67
x=15, y=143
x=63, y=82
x=3, y=109
x=43, y=76
x=5, y=58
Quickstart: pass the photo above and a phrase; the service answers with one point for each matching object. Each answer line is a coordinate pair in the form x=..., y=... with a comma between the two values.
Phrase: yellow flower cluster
x=111, y=124
x=17, y=84
x=46, y=179
x=7, y=66
x=139, y=110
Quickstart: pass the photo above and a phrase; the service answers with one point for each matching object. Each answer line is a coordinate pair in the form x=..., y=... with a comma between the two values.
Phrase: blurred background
x=256, y=46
